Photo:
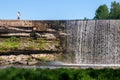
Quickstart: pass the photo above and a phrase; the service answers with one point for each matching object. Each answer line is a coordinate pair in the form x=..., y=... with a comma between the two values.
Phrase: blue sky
x=50, y=9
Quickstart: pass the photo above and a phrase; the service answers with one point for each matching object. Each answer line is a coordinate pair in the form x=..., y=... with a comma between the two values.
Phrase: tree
x=102, y=12
x=115, y=10
x=85, y=18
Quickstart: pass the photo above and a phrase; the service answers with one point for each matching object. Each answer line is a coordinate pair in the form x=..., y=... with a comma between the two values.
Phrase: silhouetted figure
x=18, y=15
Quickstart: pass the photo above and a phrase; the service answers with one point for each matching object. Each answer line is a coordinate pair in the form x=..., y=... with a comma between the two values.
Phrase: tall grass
x=59, y=74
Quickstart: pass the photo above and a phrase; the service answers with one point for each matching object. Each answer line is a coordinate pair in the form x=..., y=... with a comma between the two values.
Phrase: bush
x=59, y=74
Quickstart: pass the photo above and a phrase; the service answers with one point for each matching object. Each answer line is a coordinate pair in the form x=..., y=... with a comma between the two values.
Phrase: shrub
x=59, y=74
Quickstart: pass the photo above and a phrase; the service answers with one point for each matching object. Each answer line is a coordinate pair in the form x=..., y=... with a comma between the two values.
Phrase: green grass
x=14, y=43
x=9, y=44
x=59, y=74
x=41, y=44
x=43, y=59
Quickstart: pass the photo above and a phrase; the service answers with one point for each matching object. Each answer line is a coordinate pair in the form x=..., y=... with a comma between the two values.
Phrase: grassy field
x=59, y=74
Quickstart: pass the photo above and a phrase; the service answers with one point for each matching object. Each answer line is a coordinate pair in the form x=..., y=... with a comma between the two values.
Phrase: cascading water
x=94, y=41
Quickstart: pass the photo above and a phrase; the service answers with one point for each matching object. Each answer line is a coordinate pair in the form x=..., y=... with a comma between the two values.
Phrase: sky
x=50, y=9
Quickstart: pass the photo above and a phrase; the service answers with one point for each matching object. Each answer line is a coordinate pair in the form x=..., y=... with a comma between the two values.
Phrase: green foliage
x=59, y=74
x=14, y=43
x=30, y=47
x=43, y=59
x=115, y=10
x=41, y=44
x=85, y=18
x=10, y=44
x=29, y=59
x=13, y=39
x=102, y=12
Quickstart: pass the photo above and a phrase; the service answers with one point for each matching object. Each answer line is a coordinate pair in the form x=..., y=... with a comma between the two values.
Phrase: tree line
x=103, y=12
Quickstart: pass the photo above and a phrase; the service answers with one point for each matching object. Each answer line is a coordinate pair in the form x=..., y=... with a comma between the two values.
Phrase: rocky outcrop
x=29, y=42
x=33, y=59
x=25, y=28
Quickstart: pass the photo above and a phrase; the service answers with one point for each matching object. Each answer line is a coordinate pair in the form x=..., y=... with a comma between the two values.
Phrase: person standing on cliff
x=18, y=15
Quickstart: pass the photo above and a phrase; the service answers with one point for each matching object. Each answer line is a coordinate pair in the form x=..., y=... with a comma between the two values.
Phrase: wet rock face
x=81, y=41
x=94, y=41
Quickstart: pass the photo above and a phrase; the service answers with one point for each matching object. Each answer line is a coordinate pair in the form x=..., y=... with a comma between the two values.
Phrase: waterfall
x=94, y=41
